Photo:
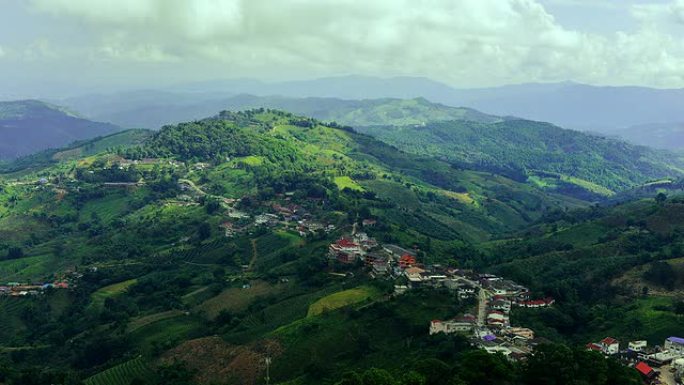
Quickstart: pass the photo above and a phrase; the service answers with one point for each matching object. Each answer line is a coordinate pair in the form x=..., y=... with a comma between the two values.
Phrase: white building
x=450, y=327
x=675, y=345
x=637, y=346
x=609, y=346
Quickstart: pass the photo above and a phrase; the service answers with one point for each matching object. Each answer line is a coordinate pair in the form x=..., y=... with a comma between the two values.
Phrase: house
x=539, y=303
x=453, y=326
x=646, y=371
x=345, y=250
x=379, y=269
x=397, y=251
x=406, y=261
x=610, y=346
x=637, y=346
x=503, y=287
x=500, y=304
x=594, y=347
x=400, y=289
x=675, y=345
x=522, y=332
x=369, y=223
x=414, y=274
x=497, y=318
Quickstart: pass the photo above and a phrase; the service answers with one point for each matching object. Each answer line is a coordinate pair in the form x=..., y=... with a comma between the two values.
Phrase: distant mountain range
x=608, y=110
x=30, y=126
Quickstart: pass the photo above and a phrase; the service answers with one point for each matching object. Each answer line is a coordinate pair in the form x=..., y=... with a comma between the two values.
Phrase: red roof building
x=594, y=347
x=407, y=260
x=646, y=370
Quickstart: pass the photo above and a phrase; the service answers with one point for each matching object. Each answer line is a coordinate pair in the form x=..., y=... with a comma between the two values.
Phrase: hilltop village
x=488, y=326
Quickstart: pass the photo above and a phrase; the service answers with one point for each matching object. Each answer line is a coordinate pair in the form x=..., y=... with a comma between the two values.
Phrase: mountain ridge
x=29, y=126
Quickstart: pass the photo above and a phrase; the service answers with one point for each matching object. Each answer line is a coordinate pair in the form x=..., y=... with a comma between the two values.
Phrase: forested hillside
x=193, y=253
x=538, y=153
x=616, y=270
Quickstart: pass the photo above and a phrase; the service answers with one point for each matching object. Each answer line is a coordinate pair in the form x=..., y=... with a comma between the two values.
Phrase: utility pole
x=268, y=370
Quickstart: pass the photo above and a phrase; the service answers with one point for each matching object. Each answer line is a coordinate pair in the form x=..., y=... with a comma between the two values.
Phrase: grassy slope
x=342, y=299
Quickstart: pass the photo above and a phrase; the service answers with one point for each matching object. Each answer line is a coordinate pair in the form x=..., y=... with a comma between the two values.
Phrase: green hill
x=154, y=110
x=541, y=154
x=368, y=112
x=30, y=126
x=596, y=262
x=181, y=250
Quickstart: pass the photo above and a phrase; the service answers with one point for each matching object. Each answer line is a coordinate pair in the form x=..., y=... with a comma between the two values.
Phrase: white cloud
x=469, y=42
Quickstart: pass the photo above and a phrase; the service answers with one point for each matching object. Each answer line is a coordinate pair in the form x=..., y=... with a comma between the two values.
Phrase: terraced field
x=102, y=294
x=121, y=374
x=10, y=321
x=141, y=322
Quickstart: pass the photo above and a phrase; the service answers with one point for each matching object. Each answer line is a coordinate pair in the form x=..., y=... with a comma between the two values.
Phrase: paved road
x=666, y=377
x=482, y=307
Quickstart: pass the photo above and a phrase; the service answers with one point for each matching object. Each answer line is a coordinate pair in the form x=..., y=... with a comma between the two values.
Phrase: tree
x=661, y=198
x=14, y=253
x=413, y=378
x=375, y=376
x=204, y=231
x=434, y=370
x=661, y=273
x=482, y=368
x=350, y=378
x=212, y=206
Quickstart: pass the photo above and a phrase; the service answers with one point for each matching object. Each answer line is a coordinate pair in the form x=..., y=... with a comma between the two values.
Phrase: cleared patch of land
x=343, y=182
x=102, y=294
x=235, y=299
x=342, y=299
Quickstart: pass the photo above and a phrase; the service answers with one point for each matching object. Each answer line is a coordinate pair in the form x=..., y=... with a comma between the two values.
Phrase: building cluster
x=491, y=329
x=289, y=216
x=17, y=289
x=358, y=247
x=650, y=361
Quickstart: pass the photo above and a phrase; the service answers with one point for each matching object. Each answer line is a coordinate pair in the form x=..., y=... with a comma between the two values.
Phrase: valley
x=224, y=226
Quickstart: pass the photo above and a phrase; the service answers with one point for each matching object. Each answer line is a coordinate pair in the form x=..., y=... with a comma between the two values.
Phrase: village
x=19, y=289
x=488, y=326
x=660, y=364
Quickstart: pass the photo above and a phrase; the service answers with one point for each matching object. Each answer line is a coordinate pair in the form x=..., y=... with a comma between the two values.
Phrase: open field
x=235, y=299
x=102, y=294
x=343, y=182
x=342, y=299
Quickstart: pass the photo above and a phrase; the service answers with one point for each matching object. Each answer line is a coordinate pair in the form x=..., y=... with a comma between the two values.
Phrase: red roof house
x=646, y=370
x=407, y=260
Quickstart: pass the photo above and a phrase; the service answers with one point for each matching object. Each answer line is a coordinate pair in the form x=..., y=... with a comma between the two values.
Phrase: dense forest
x=540, y=153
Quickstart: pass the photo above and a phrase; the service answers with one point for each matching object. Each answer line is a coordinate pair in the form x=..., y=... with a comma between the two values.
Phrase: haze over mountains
x=30, y=126
x=627, y=112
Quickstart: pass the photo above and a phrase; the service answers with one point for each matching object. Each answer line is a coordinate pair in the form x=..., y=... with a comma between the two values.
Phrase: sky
x=50, y=47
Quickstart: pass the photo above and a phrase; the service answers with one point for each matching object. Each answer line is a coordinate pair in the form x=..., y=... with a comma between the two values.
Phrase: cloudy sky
x=53, y=46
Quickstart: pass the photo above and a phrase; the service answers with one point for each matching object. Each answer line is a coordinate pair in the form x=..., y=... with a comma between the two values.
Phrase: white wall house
x=675, y=345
